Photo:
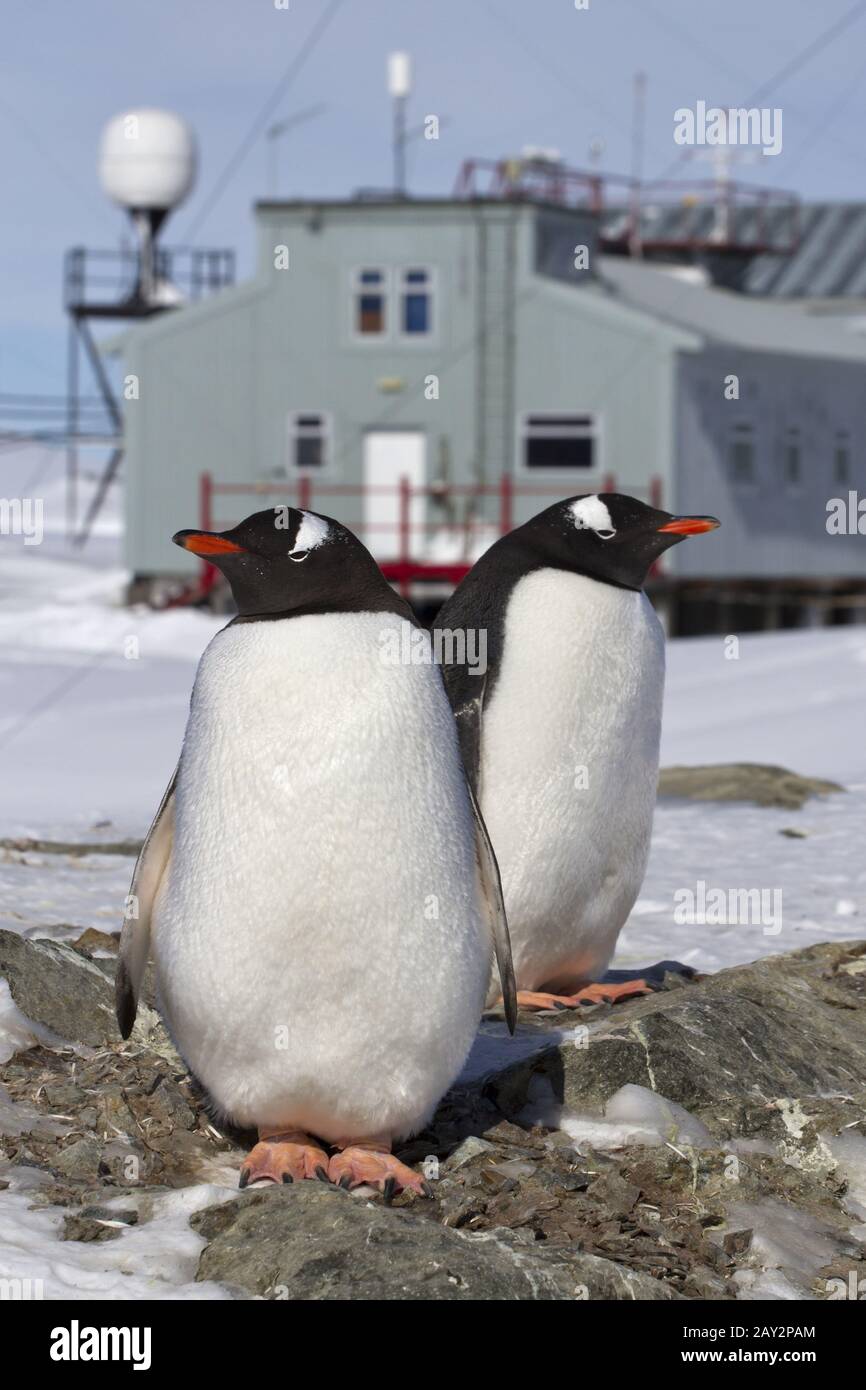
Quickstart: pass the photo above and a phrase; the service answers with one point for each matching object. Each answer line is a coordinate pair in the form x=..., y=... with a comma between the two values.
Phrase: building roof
x=829, y=256
x=829, y=262
x=726, y=316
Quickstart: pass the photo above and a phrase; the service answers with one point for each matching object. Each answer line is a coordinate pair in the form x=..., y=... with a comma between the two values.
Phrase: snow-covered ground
x=94, y=699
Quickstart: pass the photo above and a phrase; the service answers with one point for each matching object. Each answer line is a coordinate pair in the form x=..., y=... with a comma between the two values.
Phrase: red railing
x=742, y=211
x=408, y=566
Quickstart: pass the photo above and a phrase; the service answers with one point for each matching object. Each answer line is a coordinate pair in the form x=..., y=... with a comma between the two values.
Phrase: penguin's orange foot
x=288, y=1157
x=359, y=1164
x=612, y=993
x=590, y=994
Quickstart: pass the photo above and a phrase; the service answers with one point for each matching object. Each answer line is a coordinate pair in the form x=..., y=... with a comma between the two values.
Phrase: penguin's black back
x=480, y=602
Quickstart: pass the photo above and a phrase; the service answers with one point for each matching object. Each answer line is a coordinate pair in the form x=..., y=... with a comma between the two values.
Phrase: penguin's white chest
x=569, y=767
x=321, y=954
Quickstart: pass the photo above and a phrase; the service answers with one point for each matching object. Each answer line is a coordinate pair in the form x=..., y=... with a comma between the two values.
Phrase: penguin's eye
x=605, y=535
x=298, y=555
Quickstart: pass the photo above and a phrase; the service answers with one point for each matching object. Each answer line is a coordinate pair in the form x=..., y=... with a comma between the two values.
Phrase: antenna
x=278, y=129
x=399, y=85
x=637, y=147
x=724, y=158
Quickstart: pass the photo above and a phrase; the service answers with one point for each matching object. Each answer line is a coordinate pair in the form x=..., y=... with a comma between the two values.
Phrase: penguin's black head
x=283, y=559
x=608, y=536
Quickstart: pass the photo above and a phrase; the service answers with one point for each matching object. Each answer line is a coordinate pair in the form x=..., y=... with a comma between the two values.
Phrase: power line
x=575, y=89
x=273, y=101
x=801, y=59
x=790, y=67
x=60, y=169
x=687, y=37
x=830, y=115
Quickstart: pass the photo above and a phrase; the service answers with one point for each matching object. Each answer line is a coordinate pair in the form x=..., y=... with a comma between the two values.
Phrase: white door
x=390, y=455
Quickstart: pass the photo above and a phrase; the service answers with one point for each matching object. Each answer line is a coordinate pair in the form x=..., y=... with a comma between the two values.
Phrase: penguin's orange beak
x=206, y=544
x=690, y=525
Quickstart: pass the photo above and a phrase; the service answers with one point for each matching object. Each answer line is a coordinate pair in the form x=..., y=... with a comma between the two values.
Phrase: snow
x=94, y=698
x=155, y=1259
x=742, y=846
x=849, y=1151
x=795, y=698
x=633, y=1115
x=17, y=1117
x=788, y=1248
x=17, y=1032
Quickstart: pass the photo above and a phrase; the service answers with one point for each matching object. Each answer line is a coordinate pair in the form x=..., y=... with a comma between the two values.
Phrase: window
x=560, y=441
x=792, y=458
x=842, y=458
x=398, y=303
x=370, y=318
x=416, y=302
x=741, y=454
x=309, y=440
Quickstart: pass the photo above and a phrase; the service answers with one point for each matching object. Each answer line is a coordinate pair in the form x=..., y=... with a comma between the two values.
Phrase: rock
x=768, y=1060
x=732, y=1044
x=98, y=1223
x=64, y=989
x=75, y=849
x=311, y=1242
x=469, y=1149
x=93, y=940
x=618, y=1196
x=749, y=1085
x=81, y=1159
x=738, y=1242
x=758, y=782
x=59, y=988
x=125, y=1113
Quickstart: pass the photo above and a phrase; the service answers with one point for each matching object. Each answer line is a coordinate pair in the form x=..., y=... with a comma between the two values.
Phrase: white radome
x=399, y=74
x=147, y=159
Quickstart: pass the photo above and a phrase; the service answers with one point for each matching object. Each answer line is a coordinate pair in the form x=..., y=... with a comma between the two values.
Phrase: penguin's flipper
x=466, y=694
x=135, y=936
x=491, y=892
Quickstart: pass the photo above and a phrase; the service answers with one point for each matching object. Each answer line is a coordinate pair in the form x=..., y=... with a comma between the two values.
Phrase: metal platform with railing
x=401, y=545
x=108, y=283
x=649, y=217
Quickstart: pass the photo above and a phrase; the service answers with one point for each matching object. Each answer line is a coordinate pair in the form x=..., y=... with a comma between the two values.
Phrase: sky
x=499, y=74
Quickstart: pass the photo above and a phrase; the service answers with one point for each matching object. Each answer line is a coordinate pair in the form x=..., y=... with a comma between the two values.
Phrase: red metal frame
x=407, y=568
x=518, y=179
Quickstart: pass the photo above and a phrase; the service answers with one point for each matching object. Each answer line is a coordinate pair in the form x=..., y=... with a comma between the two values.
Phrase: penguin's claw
x=589, y=994
x=357, y=1166
x=284, y=1158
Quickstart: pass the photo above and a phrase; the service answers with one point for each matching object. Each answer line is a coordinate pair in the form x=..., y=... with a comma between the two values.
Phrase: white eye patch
x=591, y=514
x=311, y=532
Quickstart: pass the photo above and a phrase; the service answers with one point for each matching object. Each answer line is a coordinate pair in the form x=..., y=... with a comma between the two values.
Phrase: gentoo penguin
x=317, y=886
x=560, y=735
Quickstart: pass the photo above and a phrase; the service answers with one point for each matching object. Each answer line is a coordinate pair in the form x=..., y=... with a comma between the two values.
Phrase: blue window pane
x=416, y=313
x=371, y=277
x=416, y=277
